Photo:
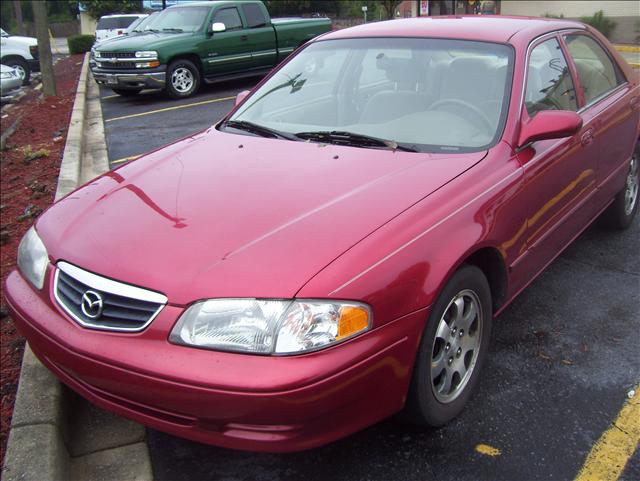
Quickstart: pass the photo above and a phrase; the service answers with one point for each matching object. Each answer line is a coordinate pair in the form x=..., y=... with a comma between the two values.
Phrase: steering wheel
x=479, y=113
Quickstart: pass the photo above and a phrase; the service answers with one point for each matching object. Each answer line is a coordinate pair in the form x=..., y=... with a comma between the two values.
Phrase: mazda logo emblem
x=91, y=304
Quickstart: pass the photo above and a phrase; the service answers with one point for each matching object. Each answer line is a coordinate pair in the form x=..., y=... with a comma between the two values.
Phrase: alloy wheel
x=631, y=190
x=182, y=79
x=456, y=346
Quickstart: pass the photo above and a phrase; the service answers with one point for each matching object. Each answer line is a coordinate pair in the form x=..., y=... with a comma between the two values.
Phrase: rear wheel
x=452, y=350
x=127, y=92
x=22, y=68
x=183, y=79
x=621, y=212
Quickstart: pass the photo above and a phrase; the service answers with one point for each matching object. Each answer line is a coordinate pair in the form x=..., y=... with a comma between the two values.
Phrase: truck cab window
x=254, y=15
x=230, y=17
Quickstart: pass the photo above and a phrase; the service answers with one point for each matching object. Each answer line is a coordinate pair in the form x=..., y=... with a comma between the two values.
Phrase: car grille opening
x=102, y=303
x=117, y=55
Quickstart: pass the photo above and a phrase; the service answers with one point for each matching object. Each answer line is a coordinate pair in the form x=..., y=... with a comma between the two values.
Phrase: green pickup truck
x=189, y=43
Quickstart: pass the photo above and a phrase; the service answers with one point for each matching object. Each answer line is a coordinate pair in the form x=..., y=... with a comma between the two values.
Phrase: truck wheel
x=183, y=79
x=127, y=92
x=22, y=67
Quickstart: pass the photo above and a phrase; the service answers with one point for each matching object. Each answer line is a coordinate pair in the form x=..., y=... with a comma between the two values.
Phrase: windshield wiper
x=260, y=130
x=176, y=30
x=355, y=140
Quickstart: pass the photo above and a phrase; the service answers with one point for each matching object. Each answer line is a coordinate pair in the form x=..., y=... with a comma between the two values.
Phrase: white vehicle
x=110, y=26
x=20, y=53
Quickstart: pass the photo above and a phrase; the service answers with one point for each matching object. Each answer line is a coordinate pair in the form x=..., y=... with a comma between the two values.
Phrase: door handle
x=587, y=137
x=634, y=103
x=243, y=37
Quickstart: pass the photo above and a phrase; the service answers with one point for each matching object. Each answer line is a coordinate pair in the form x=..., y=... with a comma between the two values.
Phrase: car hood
x=27, y=41
x=224, y=215
x=140, y=41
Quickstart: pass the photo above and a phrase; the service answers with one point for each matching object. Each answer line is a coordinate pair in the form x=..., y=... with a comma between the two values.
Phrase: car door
x=559, y=174
x=610, y=107
x=261, y=37
x=227, y=52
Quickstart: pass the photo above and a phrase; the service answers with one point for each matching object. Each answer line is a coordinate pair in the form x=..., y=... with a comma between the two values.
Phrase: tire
x=22, y=66
x=127, y=92
x=619, y=215
x=441, y=354
x=183, y=79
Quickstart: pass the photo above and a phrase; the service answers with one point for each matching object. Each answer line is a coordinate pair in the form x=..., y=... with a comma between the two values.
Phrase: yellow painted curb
x=627, y=48
x=610, y=454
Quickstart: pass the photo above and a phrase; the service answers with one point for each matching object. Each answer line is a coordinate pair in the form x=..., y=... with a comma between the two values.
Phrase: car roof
x=205, y=4
x=125, y=15
x=488, y=28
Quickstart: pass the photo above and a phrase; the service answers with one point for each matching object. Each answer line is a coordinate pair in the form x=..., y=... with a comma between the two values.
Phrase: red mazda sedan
x=334, y=250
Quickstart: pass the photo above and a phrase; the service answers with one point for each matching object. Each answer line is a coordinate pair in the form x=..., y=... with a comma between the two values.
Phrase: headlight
x=33, y=258
x=96, y=53
x=147, y=54
x=265, y=326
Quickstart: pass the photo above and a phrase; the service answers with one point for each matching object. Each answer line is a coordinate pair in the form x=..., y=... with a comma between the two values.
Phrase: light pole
x=364, y=10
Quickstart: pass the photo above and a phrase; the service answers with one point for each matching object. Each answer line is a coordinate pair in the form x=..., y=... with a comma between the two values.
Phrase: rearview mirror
x=549, y=124
x=241, y=96
x=217, y=27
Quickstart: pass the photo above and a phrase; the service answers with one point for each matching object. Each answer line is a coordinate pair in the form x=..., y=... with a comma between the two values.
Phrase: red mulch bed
x=26, y=188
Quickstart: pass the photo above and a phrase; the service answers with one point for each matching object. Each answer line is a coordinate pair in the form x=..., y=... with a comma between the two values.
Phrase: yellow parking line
x=610, y=454
x=194, y=104
x=124, y=159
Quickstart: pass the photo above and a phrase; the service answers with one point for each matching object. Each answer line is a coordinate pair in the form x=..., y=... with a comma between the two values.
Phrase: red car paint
x=389, y=230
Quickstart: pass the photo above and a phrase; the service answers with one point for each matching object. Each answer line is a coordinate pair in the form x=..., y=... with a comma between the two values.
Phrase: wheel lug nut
x=458, y=352
x=461, y=333
x=453, y=331
x=450, y=361
x=447, y=347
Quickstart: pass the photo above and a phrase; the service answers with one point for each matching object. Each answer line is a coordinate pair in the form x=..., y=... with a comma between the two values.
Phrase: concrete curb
x=55, y=434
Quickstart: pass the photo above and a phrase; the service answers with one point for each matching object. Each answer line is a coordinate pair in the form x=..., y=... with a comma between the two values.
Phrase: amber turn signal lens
x=155, y=63
x=353, y=319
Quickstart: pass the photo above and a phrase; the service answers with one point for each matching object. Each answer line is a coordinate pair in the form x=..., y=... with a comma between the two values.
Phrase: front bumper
x=256, y=403
x=130, y=79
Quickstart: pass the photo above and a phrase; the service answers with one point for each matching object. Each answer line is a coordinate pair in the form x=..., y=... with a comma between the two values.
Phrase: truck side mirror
x=217, y=27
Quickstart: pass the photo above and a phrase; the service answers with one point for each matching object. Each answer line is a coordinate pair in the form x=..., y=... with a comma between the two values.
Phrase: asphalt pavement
x=562, y=358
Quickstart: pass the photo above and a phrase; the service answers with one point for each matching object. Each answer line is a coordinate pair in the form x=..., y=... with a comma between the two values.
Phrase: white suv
x=114, y=25
x=20, y=53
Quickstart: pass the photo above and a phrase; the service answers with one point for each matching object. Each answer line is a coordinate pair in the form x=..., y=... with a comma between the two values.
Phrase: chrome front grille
x=117, y=55
x=101, y=303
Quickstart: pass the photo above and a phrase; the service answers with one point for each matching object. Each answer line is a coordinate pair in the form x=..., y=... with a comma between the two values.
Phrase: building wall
x=87, y=24
x=625, y=13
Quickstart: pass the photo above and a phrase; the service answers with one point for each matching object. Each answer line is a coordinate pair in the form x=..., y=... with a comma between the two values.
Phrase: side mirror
x=217, y=27
x=241, y=96
x=549, y=124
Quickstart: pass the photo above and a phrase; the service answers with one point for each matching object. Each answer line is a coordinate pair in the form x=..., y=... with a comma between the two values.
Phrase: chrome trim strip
x=129, y=59
x=288, y=49
x=110, y=286
x=230, y=57
x=264, y=52
x=105, y=285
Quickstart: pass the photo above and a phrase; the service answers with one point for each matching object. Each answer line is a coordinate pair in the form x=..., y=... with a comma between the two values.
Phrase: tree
x=44, y=48
x=98, y=8
x=389, y=7
x=17, y=10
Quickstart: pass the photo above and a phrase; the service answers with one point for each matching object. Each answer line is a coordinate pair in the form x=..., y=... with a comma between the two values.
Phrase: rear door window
x=230, y=17
x=253, y=14
x=597, y=72
x=549, y=82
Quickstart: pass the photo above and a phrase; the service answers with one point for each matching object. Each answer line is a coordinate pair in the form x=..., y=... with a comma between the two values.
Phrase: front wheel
x=183, y=79
x=621, y=212
x=452, y=350
x=21, y=67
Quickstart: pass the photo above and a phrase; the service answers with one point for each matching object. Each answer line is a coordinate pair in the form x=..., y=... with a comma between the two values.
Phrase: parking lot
x=563, y=358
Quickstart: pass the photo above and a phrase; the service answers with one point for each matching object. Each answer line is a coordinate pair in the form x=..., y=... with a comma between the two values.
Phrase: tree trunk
x=44, y=47
x=17, y=10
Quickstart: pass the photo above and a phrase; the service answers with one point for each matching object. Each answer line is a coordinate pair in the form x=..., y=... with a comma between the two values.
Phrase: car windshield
x=180, y=19
x=108, y=23
x=145, y=24
x=431, y=95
